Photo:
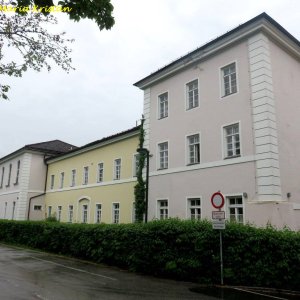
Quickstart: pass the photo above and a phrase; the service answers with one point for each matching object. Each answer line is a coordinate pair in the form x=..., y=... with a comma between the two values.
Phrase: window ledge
x=224, y=96
x=161, y=169
x=192, y=164
x=233, y=156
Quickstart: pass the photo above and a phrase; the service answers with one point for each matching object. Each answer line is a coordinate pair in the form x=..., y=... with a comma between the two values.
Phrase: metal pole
x=147, y=186
x=221, y=256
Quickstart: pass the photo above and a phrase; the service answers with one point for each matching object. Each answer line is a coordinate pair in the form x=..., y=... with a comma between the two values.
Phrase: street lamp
x=143, y=151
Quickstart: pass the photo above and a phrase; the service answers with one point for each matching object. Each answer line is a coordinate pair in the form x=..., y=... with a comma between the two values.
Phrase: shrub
x=184, y=250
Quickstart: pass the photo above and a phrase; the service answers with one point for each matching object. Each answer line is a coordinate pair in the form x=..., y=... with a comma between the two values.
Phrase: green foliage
x=185, y=250
x=99, y=11
x=140, y=187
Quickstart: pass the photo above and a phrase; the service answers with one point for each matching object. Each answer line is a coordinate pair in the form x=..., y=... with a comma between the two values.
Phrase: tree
x=26, y=35
x=99, y=11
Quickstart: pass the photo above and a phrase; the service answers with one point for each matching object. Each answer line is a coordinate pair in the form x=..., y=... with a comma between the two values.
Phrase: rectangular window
x=9, y=175
x=49, y=211
x=52, y=182
x=163, y=154
x=192, y=94
x=100, y=172
x=98, y=213
x=38, y=207
x=116, y=213
x=135, y=164
x=117, y=169
x=59, y=209
x=13, y=210
x=5, y=209
x=229, y=84
x=194, y=208
x=84, y=213
x=232, y=141
x=163, y=105
x=85, y=175
x=62, y=179
x=70, y=213
x=2, y=177
x=73, y=177
x=163, y=209
x=235, y=209
x=18, y=172
x=193, y=142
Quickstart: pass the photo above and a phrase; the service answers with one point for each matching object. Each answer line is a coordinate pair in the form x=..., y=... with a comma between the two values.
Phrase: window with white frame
x=194, y=208
x=62, y=179
x=2, y=177
x=9, y=175
x=73, y=177
x=117, y=169
x=163, y=209
x=70, y=213
x=235, y=209
x=100, y=172
x=52, y=182
x=5, y=210
x=116, y=213
x=84, y=213
x=163, y=155
x=192, y=94
x=135, y=164
x=59, y=210
x=229, y=80
x=163, y=105
x=193, y=143
x=232, y=140
x=13, y=210
x=98, y=213
x=85, y=175
x=49, y=211
x=18, y=172
x=37, y=207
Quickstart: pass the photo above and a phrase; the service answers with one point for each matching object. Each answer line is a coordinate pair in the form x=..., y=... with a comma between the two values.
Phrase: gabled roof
x=96, y=144
x=48, y=148
x=262, y=22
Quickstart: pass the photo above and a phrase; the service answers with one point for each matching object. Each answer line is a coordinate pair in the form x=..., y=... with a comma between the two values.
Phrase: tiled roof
x=55, y=146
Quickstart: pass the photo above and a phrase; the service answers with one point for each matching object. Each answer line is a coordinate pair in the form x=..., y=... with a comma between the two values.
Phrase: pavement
x=28, y=274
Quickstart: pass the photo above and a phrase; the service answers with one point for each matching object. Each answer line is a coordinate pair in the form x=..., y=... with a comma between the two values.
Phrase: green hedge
x=177, y=249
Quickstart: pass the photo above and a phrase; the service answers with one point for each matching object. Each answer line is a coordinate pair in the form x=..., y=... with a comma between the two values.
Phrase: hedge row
x=177, y=249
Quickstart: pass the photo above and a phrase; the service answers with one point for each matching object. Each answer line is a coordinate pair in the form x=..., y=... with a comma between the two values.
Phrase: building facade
x=23, y=177
x=225, y=118
x=94, y=183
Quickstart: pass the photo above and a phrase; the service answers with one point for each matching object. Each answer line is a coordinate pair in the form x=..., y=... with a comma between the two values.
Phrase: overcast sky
x=98, y=98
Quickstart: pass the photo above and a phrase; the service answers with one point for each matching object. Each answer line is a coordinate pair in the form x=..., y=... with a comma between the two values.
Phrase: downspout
x=29, y=204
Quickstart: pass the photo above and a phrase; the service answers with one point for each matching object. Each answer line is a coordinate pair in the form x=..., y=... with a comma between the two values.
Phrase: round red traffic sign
x=217, y=200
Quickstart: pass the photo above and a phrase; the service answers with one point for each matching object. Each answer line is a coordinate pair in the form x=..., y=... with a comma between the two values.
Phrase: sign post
x=217, y=201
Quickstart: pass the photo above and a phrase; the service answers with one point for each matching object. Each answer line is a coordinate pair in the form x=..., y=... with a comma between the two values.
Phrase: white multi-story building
x=23, y=178
x=225, y=117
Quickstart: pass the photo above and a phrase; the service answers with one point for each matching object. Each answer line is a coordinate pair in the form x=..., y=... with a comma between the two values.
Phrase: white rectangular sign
x=218, y=224
x=218, y=214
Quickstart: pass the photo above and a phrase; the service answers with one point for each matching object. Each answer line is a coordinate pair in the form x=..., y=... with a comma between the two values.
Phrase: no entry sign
x=217, y=200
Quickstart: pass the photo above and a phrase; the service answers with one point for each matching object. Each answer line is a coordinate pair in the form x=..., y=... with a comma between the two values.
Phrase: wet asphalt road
x=27, y=274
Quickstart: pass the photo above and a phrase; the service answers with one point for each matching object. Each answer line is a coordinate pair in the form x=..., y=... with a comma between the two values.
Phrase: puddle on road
x=237, y=294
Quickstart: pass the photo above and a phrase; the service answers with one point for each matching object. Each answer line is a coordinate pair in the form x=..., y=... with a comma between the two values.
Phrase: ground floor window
x=194, y=208
x=98, y=213
x=84, y=213
x=163, y=209
x=71, y=213
x=236, y=209
x=116, y=213
x=59, y=210
x=49, y=211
